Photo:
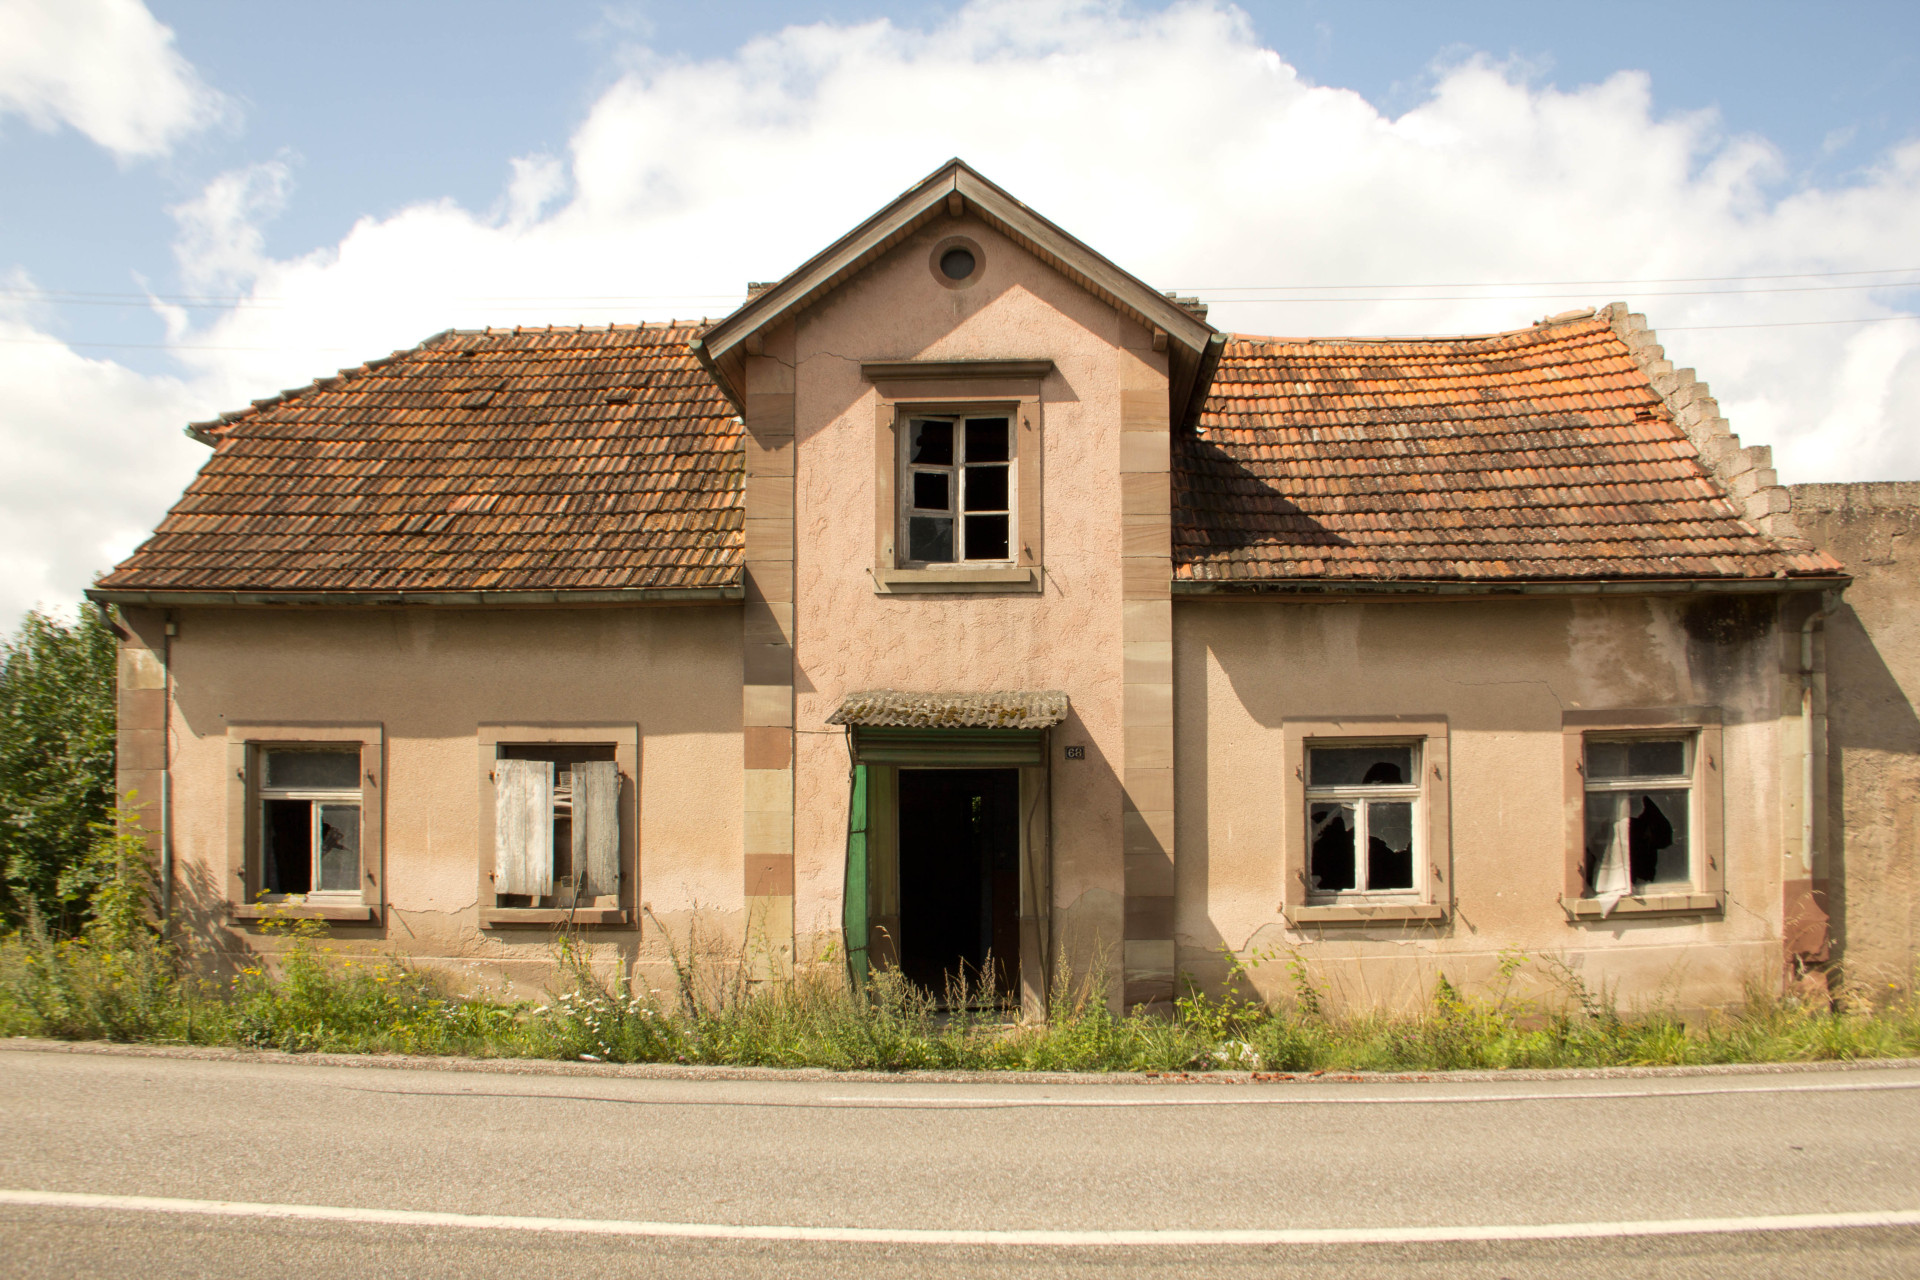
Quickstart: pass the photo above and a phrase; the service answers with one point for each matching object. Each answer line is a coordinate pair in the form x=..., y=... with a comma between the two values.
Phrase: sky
x=204, y=203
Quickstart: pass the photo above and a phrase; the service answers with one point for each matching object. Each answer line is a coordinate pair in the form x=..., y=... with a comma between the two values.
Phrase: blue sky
x=360, y=175
x=376, y=106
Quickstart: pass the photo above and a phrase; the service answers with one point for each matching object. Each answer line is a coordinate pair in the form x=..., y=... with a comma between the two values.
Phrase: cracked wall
x=431, y=677
x=1501, y=673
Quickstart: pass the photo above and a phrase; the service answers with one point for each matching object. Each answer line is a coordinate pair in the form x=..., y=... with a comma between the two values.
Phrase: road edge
x=678, y=1071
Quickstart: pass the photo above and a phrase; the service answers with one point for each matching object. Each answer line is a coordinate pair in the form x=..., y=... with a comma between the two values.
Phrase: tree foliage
x=56, y=764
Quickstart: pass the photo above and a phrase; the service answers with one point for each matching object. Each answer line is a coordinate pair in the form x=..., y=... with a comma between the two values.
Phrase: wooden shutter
x=596, y=826
x=523, y=827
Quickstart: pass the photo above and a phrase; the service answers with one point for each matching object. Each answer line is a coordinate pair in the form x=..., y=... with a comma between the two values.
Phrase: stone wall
x=1873, y=678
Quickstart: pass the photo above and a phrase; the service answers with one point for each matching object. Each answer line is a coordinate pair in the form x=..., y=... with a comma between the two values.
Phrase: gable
x=950, y=191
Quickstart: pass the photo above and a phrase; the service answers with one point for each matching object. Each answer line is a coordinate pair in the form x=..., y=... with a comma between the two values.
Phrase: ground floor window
x=556, y=824
x=1639, y=814
x=1363, y=819
x=309, y=822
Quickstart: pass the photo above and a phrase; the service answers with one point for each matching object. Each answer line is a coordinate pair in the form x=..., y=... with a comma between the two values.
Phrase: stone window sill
x=342, y=913
x=498, y=917
x=1365, y=912
x=1644, y=905
x=955, y=581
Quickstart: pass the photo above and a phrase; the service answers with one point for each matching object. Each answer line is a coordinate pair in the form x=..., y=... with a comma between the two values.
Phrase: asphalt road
x=847, y=1178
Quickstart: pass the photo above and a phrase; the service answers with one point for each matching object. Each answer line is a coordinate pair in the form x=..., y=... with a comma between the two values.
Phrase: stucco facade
x=429, y=683
x=1215, y=559
x=1503, y=682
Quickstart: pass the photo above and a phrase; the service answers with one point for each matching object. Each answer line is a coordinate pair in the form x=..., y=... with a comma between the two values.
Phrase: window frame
x=317, y=799
x=956, y=388
x=248, y=743
x=957, y=472
x=1700, y=727
x=1430, y=900
x=1362, y=796
x=625, y=741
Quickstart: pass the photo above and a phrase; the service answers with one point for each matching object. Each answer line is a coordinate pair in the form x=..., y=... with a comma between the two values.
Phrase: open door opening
x=959, y=837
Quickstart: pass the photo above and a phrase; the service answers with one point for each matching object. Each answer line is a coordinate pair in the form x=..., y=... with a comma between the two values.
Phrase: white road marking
x=932, y=1236
x=1352, y=1100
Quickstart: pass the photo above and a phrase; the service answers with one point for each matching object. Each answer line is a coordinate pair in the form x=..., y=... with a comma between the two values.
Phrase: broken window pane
x=930, y=490
x=1657, y=837
x=932, y=443
x=339, y=848
x=1331, y=830
x=1389, y=845
x=331, y=769
x=986, y=440
x=930, y=538
x=286, y=846
x=1361, y=766
x=986, y=488
x=986, y=537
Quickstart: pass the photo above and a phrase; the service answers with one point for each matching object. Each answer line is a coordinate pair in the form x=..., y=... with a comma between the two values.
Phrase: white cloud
x=1171, y=141
x=94, y=453
x=107, y=68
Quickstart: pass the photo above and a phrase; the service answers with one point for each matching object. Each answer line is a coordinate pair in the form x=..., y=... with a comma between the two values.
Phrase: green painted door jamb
x=854, y=901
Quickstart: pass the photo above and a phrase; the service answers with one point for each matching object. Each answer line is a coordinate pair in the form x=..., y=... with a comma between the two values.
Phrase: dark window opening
x=956, y=264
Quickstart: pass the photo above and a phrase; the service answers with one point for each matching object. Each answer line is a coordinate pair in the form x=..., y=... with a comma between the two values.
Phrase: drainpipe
x=166, y=775
x=1829, y=602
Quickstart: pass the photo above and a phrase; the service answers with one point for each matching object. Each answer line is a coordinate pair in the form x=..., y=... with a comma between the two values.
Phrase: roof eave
x=1309, y=588
x=364, y=599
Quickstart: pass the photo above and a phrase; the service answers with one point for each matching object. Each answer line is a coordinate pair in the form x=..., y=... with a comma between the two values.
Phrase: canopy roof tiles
x=571, y=461
x=1005, y=709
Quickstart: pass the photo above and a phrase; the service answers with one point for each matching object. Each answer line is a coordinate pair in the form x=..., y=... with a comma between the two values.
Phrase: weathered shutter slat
x=523, y=827
x=596, y=826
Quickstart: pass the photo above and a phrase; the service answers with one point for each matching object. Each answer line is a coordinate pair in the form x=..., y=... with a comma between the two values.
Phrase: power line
x=1665, y=328
x=1542, y=284
x=582, y=301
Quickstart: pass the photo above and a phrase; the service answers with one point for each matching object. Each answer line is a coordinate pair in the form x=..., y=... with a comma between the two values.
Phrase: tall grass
x=119, y=980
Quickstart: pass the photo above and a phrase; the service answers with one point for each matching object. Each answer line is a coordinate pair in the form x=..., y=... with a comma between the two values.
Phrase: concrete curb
x=671, y=1071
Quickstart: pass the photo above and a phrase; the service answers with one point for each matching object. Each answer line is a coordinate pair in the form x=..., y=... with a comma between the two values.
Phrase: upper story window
x=1363, y=819
x=309, y=822
x=956, y=491
x=1638, y=814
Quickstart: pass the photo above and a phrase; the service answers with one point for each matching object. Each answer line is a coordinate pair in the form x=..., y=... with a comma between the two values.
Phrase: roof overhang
x=1193, y=346
x=365, y=599
x=1310, y=589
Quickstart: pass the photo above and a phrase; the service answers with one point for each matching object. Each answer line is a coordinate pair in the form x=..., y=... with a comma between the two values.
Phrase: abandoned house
x=962, y=602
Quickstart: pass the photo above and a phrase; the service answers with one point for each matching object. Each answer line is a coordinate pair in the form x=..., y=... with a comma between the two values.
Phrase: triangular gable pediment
x=955, y=188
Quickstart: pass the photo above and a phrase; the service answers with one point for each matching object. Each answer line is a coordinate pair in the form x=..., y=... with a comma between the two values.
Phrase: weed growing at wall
x=120, y=981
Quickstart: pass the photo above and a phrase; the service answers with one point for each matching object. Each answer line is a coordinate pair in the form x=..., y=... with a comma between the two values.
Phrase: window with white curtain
x=1639, y=814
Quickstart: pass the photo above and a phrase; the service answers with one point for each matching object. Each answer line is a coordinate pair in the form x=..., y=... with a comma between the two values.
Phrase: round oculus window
x=957, y=263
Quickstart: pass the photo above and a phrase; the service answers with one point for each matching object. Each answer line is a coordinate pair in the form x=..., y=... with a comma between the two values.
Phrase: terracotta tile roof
x=1006, y=709
x=1544, y=454
x=522, y=460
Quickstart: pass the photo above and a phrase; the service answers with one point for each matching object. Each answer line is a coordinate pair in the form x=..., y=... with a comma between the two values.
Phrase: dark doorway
x=960, y=879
